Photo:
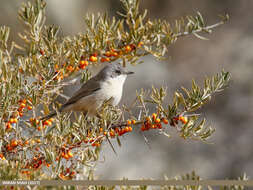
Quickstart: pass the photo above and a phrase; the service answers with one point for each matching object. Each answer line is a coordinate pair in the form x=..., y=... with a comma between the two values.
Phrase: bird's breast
x=112, y=88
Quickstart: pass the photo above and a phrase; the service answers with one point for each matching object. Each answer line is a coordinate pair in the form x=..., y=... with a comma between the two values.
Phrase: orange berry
x=22, y=105
x=39, y=128
x=165, y=121
x=70, y=68
x=121, y=132
x=56, y=67
x=157, y=120
x=133, y=121
x=66, y=156
x=98, y=144
x=38, y=141
x=29, y=107
x=112, y=133
x=48, y=165
x=9, y=148
x=148, y=126
x=8, y=126
x=154, y=115
x=13, y=120
x=20, y=114
x=72, y=173
x=129, y=122
x=130, y=129
x=143, y=128
x=42, y=52
x=140, y=44
x=105, y=133
x=184, y=120
x=70, y=154
x=47, y=122
x=93, y=144
x=117, y=130
x=14, y=143
x=51, y=119
x=26, y=142
x=108, y=54
x=104, y=59
x=115, y=54
x=101, y=129
x=20, y=109
x=159, y=125
x=126, y=129
x=128, y=48
x=83, y=64
x=93, y=58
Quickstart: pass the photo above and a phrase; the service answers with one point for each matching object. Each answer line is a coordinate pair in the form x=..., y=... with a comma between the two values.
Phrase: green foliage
x=184, y=106
x=33, y=74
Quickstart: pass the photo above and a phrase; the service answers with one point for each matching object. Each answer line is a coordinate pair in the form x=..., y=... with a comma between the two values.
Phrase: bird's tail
x=48, y=116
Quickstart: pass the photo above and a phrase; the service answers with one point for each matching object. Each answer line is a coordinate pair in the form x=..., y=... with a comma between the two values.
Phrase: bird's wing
x=87, y=89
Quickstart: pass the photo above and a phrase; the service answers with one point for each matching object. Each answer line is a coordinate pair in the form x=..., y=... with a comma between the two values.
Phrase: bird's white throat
x=113, y=87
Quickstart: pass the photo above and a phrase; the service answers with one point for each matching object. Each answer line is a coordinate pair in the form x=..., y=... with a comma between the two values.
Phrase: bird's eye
x=118, y=71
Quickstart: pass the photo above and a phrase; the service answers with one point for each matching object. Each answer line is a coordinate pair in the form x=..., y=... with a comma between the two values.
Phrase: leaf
x=199, y=128
x=118, y=141
x=199, y=36
x=49, y=129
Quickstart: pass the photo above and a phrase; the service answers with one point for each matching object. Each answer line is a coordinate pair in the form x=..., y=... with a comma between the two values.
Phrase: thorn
x=111, y=145
x=146, y=141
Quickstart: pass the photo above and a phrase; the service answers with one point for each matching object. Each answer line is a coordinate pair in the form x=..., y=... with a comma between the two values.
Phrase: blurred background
x=230, y=47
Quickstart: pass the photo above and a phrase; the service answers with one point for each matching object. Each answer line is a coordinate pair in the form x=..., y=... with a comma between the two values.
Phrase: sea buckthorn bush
x=33, y=74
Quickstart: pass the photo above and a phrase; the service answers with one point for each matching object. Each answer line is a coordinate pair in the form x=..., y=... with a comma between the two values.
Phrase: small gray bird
x=106, y=85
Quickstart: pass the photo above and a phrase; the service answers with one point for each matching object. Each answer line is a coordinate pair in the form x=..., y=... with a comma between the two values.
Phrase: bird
x=107, y=85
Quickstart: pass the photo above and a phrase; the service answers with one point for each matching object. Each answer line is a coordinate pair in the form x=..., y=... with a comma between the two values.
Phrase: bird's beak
x=129, y=72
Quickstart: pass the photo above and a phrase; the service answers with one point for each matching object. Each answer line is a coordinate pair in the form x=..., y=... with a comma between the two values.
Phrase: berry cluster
x=120, y=130
x=108, y=56
x=36, y=123
x=67, y=154
x=153, y=122
x=67, y=174
x=175, y=120
x=12, y=145
x=23, y=104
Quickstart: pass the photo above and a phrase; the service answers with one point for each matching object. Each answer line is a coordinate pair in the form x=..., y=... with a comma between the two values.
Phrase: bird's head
x=114, y=70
